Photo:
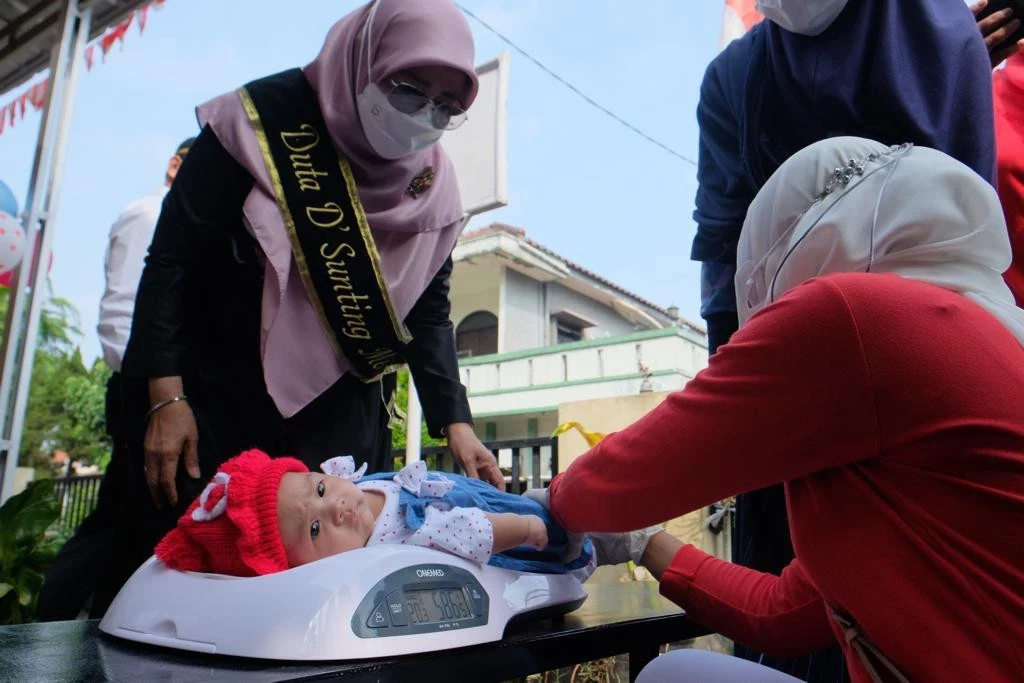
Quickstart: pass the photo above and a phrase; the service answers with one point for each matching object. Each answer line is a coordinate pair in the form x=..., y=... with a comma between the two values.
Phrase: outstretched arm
x=471, y=533
x=765, y=411
x=783, y=616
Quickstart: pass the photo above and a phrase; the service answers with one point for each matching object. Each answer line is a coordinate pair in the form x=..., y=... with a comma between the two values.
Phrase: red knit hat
x=232, y=527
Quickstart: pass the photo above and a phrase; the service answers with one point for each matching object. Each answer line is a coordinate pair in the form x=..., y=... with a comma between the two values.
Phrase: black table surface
x=619, y=617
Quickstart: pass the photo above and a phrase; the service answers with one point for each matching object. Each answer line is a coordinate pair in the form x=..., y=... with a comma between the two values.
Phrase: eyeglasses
x=408, y=99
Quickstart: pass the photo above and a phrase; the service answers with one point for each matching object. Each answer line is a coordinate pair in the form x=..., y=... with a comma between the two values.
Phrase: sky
x=579, y=182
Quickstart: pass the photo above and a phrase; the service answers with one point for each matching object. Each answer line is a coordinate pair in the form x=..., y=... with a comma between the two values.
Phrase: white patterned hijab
x=850, y=205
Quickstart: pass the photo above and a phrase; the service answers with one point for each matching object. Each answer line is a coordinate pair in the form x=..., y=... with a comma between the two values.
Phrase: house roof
x=520, y=234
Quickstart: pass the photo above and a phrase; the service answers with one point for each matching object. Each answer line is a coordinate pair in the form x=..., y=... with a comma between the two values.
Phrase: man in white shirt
x=77, y=571
x=129, y=241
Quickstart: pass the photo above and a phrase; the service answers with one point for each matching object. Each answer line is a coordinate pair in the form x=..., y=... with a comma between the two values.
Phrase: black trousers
x=761, y=541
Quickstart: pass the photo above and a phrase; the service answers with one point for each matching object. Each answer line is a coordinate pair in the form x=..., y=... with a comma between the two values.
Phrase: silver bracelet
x=164, y=404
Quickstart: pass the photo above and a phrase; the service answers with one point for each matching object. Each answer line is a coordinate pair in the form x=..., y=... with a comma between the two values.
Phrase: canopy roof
x=29, y=30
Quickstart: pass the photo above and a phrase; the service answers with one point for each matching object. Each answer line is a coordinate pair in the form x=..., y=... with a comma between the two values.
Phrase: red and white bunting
x=34, y=96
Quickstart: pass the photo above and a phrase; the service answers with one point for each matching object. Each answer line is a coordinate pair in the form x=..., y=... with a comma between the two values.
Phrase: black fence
x=77, y=496
x=533, y=462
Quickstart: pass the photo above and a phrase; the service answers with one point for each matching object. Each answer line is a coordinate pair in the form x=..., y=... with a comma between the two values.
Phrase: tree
x=44, y=411
x=84, y=430
x=66, y=405
x=59, y=325
x=66, y=410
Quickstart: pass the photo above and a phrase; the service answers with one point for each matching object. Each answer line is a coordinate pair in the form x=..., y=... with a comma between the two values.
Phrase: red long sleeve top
x=894, y=412
x=1008, y=92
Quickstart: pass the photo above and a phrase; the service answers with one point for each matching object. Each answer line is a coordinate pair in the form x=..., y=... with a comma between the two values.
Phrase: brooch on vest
x=421, y=182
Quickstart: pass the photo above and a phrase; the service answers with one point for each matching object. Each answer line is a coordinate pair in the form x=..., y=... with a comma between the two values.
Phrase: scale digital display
x=422, y=598
x=437, y=605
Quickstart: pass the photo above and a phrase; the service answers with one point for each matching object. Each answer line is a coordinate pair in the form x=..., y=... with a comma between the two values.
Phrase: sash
x=331, y=241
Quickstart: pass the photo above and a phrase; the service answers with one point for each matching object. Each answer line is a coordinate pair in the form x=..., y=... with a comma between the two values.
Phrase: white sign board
x=478, y=148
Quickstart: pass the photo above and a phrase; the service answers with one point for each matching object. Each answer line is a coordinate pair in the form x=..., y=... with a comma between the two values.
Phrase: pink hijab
x=414, y=236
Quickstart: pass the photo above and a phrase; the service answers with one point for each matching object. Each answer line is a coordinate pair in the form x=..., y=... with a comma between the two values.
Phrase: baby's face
x=321, y=515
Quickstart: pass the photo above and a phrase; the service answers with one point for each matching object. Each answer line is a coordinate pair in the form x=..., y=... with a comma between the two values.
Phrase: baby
x=261, y=515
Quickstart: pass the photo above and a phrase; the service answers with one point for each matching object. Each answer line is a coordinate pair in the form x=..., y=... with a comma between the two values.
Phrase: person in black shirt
x=253, y=325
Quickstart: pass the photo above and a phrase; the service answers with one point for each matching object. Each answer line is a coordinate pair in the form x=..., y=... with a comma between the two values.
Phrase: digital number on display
x=440, y=604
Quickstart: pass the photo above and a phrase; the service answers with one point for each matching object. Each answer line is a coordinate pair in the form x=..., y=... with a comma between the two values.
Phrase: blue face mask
x=806, y=17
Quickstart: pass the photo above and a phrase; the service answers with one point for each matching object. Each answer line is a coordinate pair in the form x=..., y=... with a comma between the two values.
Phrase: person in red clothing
x=1008, y=85
x=879, y=374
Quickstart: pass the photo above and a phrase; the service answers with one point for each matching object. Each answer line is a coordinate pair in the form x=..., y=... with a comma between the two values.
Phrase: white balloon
x=12, y=242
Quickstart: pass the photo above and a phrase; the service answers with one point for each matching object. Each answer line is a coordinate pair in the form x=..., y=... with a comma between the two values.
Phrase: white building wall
x=524, y=326
x=518, y=383
x=475, y=288
x=608, y=323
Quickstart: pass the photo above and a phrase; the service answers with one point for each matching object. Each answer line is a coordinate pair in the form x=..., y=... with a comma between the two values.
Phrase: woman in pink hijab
x=303, y=254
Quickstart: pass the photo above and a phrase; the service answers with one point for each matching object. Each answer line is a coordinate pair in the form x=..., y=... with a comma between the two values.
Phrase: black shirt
x=197, y=313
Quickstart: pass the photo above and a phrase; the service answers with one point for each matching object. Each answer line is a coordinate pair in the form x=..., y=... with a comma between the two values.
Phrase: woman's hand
x=473, y=457
x=623, y=547
x=171, y=431
x=995, y=29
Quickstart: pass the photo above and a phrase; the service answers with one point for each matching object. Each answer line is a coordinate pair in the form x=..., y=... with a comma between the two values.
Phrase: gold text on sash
x=335, y=247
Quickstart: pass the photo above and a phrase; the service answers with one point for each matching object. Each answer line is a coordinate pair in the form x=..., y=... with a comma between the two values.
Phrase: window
x=566, y=332
x=567, y=327
x=477, y=335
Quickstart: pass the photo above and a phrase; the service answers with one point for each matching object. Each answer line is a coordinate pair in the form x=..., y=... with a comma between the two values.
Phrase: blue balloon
x=8, y=203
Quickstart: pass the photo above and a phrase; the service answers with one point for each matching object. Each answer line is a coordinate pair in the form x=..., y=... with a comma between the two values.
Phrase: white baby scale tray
x=381, y=601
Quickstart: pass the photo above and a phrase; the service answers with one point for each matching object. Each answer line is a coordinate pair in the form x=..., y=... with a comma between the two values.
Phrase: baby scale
x=376, y=602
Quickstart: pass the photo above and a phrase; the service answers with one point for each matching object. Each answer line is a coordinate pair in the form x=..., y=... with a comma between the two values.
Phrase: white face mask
x=806, y=17
x=391, y=133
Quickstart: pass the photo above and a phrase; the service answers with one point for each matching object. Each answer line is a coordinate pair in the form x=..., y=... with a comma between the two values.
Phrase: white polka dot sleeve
x=465, y=532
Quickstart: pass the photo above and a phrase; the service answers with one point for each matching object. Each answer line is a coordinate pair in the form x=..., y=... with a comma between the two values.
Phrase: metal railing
x=77, y=496
x=534, y=461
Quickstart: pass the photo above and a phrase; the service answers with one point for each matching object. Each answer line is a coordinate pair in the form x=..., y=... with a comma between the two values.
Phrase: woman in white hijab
x=879, y=374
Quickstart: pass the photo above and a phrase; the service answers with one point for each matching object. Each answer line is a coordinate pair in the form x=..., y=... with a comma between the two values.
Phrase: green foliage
x=44, y=412
x=398, y=432
x=59, y=329
x=58, y=326
x=66, y=405
x=27, y=549
x=84, y=429
x=66, y=410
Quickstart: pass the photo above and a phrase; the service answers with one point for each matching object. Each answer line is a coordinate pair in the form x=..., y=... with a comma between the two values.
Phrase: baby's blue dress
x=473, y=493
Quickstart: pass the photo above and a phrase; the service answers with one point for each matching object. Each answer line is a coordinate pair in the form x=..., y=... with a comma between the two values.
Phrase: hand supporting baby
x=617, y=548
x=611, y=548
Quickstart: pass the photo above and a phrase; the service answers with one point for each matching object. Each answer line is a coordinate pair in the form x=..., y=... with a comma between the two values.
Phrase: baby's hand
x=536, y=533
